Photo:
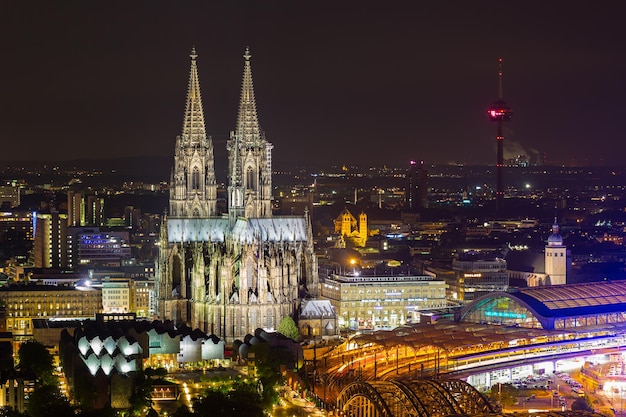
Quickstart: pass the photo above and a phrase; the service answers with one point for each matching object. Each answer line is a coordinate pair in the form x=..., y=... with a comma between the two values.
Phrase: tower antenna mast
x=499, y=112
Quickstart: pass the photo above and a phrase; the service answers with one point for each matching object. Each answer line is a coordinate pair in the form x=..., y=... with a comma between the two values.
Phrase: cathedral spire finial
x=194, y=130
x=193, y=186
x=248, y=129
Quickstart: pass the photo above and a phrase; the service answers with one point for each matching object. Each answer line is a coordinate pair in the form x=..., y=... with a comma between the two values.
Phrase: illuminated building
x=84, y=210
x=50, y=246
x=417, y=187
x=75, y=209
x=317, y=319
x=116, y=297
x=369, y=302
x=105, y=355
x=557, y=258
x=347, y=226
x=569, y=307
x=500, y=112
x=90, y=246
x=9, y=196
x=24, y=303
x=232, y=273
x=20, y=222
x=94, y=211
x=477, y=274
x=143, y=297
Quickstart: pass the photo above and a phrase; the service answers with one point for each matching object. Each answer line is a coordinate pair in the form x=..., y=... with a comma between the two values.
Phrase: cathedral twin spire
x=249, y=157
x=193, y=191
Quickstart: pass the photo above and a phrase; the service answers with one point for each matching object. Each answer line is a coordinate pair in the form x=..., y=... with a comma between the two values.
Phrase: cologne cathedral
x=230, y=273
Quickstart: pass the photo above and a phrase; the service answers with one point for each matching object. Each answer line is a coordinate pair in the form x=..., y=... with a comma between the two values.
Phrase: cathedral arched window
x=196, y=212
x=250, y=179
x=195, y=179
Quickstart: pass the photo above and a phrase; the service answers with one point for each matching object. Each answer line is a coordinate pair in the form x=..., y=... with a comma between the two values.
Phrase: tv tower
x=500, y=112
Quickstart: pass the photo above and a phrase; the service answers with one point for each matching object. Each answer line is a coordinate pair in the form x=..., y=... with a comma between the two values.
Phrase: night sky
x=336, y=81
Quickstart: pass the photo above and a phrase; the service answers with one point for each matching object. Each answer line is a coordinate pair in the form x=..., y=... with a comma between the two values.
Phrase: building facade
x=477, y=274
x=557, y=258
x=50, y=246
x=380, y=302
x=229, y=273
x=25, y=303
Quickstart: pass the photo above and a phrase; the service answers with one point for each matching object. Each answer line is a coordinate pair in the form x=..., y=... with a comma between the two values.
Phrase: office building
x=381, y=302
x=50, y=247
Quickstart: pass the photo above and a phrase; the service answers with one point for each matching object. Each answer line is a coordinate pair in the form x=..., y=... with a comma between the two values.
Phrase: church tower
x=556, y=257
x=249, y=158
x=230, y=275
x=193, y=190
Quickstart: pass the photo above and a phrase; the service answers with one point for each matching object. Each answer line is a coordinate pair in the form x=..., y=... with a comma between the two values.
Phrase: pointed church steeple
x=248, y=129
x=193, y=191
x=249, y=157
x=194, y=131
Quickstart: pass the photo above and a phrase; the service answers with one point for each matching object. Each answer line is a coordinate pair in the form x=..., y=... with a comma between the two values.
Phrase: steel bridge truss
x=416, y=398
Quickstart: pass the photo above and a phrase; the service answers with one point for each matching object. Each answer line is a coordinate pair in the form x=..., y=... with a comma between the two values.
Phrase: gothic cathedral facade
x=230, y=273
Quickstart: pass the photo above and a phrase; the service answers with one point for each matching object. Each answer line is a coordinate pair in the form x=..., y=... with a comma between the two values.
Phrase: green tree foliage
x=141, y=398
x=268, y=361
x=47, y=401
x=34, y=358
x=287, y=327
x=505, y=394
x=242, y=399
x=582, y=404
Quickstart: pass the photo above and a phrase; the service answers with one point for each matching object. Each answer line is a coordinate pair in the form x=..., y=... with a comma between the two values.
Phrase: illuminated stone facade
x=27, y=302
x=230, y=273
x=364, y=302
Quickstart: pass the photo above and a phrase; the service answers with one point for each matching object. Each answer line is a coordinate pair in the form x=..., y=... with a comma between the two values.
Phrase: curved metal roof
x=574, y=299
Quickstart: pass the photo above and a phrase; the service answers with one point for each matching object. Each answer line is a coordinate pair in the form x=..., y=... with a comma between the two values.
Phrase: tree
x=47, y=401
x=505, y=394
x=142, y=396
x=287, y=327
x=182, y=411
x=34, y=357
x=242, y=399
x=582, y=404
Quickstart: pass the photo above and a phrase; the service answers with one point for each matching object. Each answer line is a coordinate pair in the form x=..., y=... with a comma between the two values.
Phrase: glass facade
x=501, y=310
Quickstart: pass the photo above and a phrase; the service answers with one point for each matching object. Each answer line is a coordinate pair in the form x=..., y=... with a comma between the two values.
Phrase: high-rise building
x=50, y=246
x=84, y=210
x=75, y=209
x=232, y=273
x=94, y=211
x=417, y=187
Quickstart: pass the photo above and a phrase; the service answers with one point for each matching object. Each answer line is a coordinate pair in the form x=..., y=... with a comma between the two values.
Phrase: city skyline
x=354, y=82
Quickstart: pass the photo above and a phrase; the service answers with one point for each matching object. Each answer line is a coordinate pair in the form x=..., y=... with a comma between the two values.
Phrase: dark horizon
x=334, y=82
